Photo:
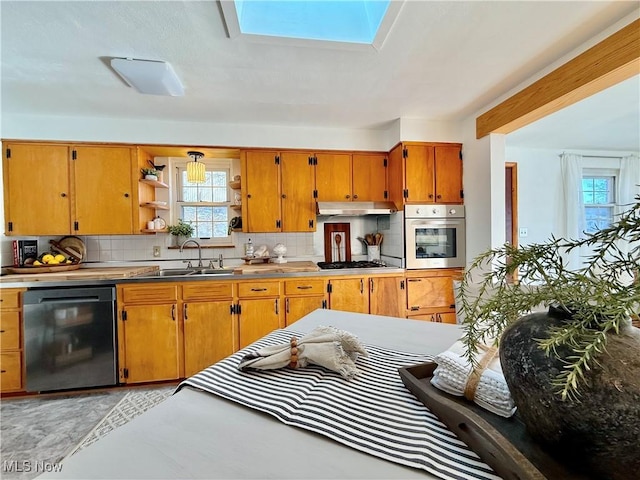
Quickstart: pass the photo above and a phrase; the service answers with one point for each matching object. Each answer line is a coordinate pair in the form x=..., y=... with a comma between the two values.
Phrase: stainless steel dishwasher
x=70, y=338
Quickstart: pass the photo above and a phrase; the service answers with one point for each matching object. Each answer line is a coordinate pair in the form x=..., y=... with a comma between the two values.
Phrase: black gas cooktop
x=357, y=264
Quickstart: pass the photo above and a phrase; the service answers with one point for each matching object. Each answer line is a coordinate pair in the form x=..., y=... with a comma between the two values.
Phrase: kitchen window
x=205, y=205
x=598, y=194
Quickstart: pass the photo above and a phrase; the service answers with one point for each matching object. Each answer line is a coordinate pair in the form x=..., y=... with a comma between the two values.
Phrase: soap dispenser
x=248, y=249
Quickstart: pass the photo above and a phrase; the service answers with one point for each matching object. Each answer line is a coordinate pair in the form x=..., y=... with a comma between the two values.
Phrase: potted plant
x=149, y=173
x=573, y=371
x=181, y=231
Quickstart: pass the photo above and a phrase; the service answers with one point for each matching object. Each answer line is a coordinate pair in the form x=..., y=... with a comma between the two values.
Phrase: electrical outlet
x=156, y=251
x=524, y=231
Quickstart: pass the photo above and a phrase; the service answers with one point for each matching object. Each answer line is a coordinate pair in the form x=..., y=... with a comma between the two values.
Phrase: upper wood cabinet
x=52, y=189
x=277, y=192
x=345, y=177
x=425, y=173
x=104, y=190
x=37, y=192
x=333, y=176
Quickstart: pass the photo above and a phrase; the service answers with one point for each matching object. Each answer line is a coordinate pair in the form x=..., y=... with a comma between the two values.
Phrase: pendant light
x=195, y=169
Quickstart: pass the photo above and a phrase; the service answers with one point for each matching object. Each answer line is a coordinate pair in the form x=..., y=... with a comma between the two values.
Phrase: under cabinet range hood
x=355, y=208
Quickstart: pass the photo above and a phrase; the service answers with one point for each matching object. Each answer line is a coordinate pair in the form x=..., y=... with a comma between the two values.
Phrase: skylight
x=364, y=22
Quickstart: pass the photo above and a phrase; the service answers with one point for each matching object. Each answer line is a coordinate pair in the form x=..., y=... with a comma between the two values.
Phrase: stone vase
x=599, y=432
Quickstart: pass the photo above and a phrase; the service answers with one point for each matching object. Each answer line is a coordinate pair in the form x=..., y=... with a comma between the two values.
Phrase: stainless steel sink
x=182, y=272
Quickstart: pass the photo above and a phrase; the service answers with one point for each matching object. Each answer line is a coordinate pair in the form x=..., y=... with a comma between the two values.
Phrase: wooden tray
x=45, y=268
x=502, y=443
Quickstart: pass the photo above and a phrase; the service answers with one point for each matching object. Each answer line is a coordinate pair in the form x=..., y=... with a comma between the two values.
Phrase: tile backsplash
x=300, y=246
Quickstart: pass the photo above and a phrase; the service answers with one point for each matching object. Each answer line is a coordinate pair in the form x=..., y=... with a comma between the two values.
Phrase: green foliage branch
x=599, y=296
x=181, y=229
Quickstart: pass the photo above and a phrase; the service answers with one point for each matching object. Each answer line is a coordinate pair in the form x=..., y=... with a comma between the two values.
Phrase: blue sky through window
x=338, y=21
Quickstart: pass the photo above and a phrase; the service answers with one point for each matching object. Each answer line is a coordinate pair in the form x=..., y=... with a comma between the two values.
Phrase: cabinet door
x=349, y=295
x=387, y=296
x=395, y=174
x=36, y=190
x=448, y=171
x=258, y=318
x=261, y=185
x=369, y=177
x=430, y=292
x=298, y=205
x=103, y=190
x=151, y=348
x=209, y=334
x=333, y=177
x=298, y=307
x=419, y=174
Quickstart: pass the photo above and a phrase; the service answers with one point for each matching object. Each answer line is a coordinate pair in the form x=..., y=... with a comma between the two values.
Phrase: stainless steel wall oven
x=434, y=236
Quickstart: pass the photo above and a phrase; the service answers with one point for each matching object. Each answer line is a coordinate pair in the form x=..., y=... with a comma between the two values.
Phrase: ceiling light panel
x=150, y=77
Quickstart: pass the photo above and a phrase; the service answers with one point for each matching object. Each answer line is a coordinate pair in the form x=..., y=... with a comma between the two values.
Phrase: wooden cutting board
x=289, y=267
x=105, y=273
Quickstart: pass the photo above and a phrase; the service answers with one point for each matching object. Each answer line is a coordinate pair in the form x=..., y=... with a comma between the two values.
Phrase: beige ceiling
x=441, y=61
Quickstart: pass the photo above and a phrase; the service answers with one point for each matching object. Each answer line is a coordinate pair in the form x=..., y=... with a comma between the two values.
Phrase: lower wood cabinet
x=349, y=294
x=430, y=294
x=11, y=352
x=303, y=296
x=209, y=326
x=387, y=296
x=259, y=310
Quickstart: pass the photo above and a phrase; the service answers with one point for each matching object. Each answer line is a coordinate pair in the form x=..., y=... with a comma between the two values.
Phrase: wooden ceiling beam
x=611, y=61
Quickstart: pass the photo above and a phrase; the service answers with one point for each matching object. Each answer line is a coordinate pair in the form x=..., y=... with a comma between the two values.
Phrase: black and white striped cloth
x=373, y=412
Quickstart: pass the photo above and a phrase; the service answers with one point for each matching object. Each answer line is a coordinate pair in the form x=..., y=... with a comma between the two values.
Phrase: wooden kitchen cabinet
x=11, y=351
x=303, y=296
x=387, y=296
x=349, y=294
x=297, y=182
x=369, y=173
x=149, y=333
x=430, y=294
x=103, y=190
x=53, y=189
x=210, y=328
x=333, y=177
x=423, y=173
x=37, y=193
x=278, y=189
x=258, y=310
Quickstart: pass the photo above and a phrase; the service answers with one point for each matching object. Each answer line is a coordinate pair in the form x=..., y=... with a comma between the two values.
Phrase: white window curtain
x=571, y=168
x=628, y=182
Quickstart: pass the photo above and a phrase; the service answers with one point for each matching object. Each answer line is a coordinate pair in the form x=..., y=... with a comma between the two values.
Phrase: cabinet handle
x=3, y=371
x=438, y=197
x=361, y=285
x=355, y=196
x=431, y=195
x=277, y=307
x=304, y=287
x=286, y=305
x=284, y=195
x=184, y=311
x=1, y=331
x=248, y=195
x=371, y=285
x=126, y=195
x=258, y=289
x=414, y=279
x=63, y=194
x=347, y=196
x=173, y=312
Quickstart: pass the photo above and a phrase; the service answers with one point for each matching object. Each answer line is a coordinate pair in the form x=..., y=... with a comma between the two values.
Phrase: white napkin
x=492, y=392
x=328, y=347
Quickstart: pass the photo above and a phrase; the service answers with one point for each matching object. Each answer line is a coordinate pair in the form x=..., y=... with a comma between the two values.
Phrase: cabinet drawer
x=207, y=290
x=10, y=331
x=11, y=371
x=10, y=298
x=150, y=294
x=258, y=289
x=304, y=287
